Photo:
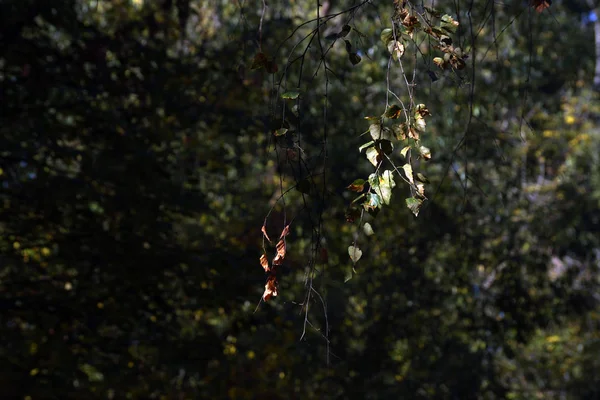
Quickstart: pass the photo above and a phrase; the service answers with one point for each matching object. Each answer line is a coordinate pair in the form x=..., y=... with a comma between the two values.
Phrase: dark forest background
x=137, y=165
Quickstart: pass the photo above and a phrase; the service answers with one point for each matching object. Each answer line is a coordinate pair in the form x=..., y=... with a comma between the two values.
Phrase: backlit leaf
x=396, y=49
x=265, y=263
x=368, y=229
x=393, y=112
x=355, y=253
x=285, y=232
x=386, y=35
x=408, y=172
x=375, y=130
x=404, y=151
x=385, y=185
x=425, y=152
x=264, y=232
x=366, y=145
x=280, y=131
x=414, y=205
x=291, y=95
x=270, y=288
x=373, y=156
x=278, y=260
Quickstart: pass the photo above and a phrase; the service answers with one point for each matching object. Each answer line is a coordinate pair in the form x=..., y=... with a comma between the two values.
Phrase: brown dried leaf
x=280, y=253
x=264, y=231
x=540, y=5
x=270, y=288
x=265, y=263
x=285, y=232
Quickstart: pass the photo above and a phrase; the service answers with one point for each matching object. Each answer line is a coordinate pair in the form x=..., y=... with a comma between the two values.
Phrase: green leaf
x=385, y=185
x=373, y=201
x=355, y=253
x=280, y=131
x=373, y=156
x=422, y=178
x=386, y=35
x=449, y=24
x=357, y=186
x=354, y=58
x=92, y=373
x=291, y=95
x=393, y=112
x=366, y=145
x=414, y=205
x=349, y=273
x=368, y=229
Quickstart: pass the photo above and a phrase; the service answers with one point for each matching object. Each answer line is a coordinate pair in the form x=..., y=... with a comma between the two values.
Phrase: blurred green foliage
x=137, y=165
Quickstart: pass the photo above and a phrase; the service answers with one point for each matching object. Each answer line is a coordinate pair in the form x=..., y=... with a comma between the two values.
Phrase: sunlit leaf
x=265, y=263
x=285, y=232
x=422, y=110
x=396, y=49
x=264, y=232
x=414, y=205
x=405, y=150
x=425, y=152
x=373, y=201
x=393, y=112
x=399, y=131
x=280, y=131
x=385, y=185
x=278, y=260
x=407, y=168
x=439, y=62
x=368, y=229
x=373, y=156
x=357, y=186
x=292, y=95
x=355, y=253
x=386, y=35
x=366, y=145
x=448, y=23
x=270, y=288
x=375, y=130
x=420, y=124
